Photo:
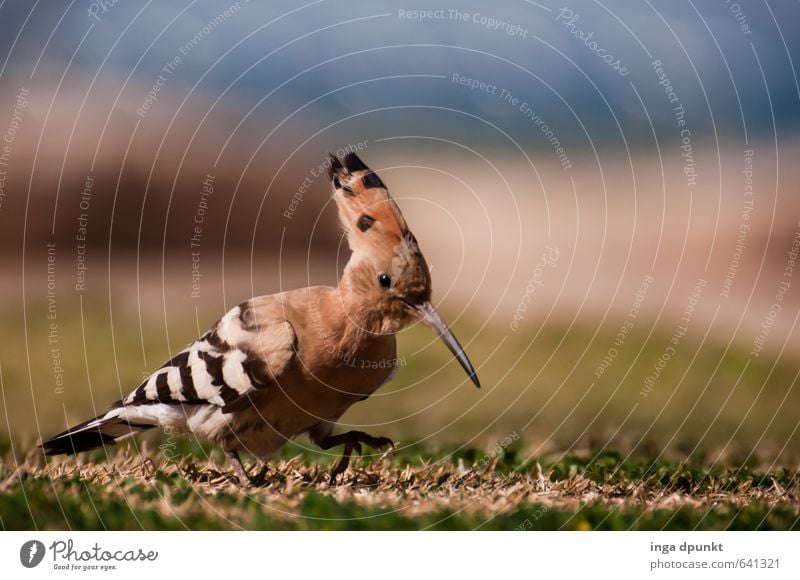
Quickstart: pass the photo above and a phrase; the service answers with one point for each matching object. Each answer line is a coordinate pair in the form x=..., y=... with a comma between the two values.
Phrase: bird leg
x=238, y=468
x=352, y=441
x=261, y=475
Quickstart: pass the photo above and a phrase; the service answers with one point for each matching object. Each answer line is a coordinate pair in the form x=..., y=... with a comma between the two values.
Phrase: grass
x=411, y=489
x=715, y=445
x=711, y=400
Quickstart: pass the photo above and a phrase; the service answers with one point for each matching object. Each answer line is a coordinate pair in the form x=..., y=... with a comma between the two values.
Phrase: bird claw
x=381, y=442
x=260, y=478
x=340, y=468
x=352, y=442
x=374, y=442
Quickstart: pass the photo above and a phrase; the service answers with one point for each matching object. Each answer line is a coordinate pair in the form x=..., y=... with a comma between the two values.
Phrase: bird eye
x=384, y=280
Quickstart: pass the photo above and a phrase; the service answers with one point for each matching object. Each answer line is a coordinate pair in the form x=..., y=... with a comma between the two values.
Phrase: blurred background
x=608, y=197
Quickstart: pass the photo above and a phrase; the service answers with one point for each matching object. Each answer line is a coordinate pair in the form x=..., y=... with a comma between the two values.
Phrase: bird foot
x=352, y=441
x=245, y=480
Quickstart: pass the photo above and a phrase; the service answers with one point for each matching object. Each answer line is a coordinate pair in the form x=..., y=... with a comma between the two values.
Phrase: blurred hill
x=620, y=273
x=146, y=179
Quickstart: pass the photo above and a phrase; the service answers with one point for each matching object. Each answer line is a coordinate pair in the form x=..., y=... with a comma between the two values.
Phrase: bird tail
x=103, y=430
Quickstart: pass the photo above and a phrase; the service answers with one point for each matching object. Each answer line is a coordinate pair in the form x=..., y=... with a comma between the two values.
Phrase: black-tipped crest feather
x=353, y=163
x=335, y=166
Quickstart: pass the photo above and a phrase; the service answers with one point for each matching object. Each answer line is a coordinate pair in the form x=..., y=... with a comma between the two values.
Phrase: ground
x=185, y=486
x=714, y=445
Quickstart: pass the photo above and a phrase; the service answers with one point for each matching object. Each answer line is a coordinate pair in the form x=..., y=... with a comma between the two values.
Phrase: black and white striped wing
x=227, y=365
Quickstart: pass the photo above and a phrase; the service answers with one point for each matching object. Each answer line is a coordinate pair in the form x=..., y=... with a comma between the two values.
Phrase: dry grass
x=143, y=491
x=678, y=471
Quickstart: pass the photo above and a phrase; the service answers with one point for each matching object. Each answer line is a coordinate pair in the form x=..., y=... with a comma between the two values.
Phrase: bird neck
x=360, y=308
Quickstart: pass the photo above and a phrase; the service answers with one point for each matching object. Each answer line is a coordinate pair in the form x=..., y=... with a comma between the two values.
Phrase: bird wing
x=246, y=351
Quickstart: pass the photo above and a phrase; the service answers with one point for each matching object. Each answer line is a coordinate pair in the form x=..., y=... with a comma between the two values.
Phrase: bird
x=282, y=365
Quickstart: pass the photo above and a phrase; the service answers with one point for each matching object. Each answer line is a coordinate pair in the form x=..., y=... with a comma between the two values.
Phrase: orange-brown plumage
x=277, y=366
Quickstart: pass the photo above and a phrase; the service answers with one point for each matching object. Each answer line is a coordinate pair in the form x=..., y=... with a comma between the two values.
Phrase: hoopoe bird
x=282, y=365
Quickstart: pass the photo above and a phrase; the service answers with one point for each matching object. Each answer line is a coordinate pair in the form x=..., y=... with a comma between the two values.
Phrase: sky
x=588, y=70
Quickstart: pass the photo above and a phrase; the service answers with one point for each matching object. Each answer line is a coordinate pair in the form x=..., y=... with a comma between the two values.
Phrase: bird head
x=387, y=270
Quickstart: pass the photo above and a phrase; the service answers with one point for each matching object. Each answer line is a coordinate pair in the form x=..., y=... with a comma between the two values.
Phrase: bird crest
x=367, y=212
x=267, y=353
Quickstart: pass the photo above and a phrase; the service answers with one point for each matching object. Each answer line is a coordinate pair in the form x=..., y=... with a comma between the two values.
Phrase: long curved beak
x=427, y=314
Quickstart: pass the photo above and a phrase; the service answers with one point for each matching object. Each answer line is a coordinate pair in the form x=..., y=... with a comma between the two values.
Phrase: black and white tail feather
x=197, y=390
x=244, y=386
x=103, y=430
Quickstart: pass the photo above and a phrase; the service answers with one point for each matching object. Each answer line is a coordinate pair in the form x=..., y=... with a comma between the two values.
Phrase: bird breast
x=353, y=374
